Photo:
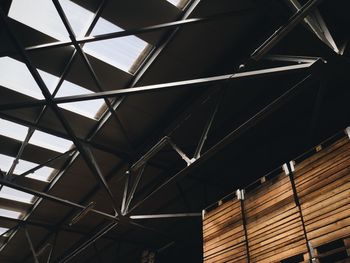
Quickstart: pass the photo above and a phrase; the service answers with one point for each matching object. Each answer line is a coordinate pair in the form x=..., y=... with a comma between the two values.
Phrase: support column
x=289, y=170
x=240, y=196
x=36, y=260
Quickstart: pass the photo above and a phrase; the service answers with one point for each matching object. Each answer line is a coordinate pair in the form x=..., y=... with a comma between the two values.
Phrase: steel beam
x=53, y=246
x=316, y=24
x=86, y=61
x=22, y=222
x=83, y=200
x=142, y=30
x=66, y=69
x=31, y=129
x=284, y=29
x=146, y=64
x=234, y=135
x=19, y=153
x=54, y=228
x=169, y=130
x=88, y=242
x=161, y=216
x=164, y=86
x=133, y=189
x=327, y=35
x=36, y=260
x=291, y=58
x=54, y=198
x=149, y=154
x=125, y=192
x=121, y=154
x=51, y=160
x=57, y=112
x=344, y=47
x=8, y=231
x=207, y=127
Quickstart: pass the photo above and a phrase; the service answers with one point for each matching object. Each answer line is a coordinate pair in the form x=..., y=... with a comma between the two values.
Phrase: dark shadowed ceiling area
x=120, y=121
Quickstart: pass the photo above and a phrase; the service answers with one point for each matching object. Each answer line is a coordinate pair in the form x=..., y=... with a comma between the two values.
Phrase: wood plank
x=326, y=218
x=267, y=191
x=332, y=227
x=334, y=147
x=329, y=204
x=238, y=249
x=272, y=205
x=230, y=215
x=340, y=233
x=236, y=237
x=229, y=244
x=263, y=221
x=273, y=224
x=332, y=175
x=231, y=234
x=277, y=242
x=220, y=211
x=222, y=228
x=283, y=251
x=275, y=232
x=302, y=176
x=327, y=192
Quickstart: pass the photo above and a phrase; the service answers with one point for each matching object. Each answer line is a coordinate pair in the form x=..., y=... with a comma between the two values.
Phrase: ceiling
x=233, y=110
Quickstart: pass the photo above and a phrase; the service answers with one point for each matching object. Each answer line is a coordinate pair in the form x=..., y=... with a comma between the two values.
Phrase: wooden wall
x=289, y=217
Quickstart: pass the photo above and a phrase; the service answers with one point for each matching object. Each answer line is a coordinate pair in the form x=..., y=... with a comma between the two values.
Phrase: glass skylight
x=15, y=195
x=41, y=139
x=46, y=18
x=13, y=130
x=42, y=174
x=14, y=75
x=10, y=213
x=178, y=3
x=51, y=142
x=5, y=162
x=3, y=230
x=11, y=69
x=88, y=109
x=123, y=53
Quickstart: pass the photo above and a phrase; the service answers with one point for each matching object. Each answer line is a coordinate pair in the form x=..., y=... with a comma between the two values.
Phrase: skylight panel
x=15, y=195
x=51, y=142
x=86, y=108
x=5, y=162
x=11, y=69
x=43, y=16
x=42, y=174
x=10, y=213
x=3, y=230
x=178, y=3
x=123, y=52
x=13, y=130
x=39, y=138
x=15, y=76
